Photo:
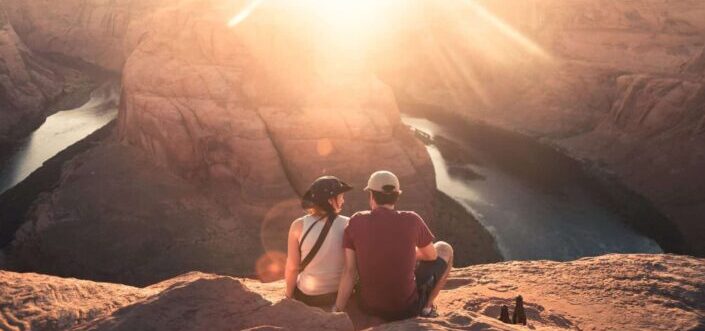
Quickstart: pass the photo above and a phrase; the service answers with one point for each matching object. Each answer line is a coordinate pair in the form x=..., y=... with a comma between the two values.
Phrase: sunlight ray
x=507, y=29
x=245, y=12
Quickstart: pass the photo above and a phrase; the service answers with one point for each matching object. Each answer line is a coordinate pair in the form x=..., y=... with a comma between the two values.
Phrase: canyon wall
x=96, y=31
x=619, y=85
x=27, y=84
x=264, y=107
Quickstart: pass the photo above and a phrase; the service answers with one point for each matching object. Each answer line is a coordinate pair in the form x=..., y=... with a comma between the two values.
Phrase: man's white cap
x=383, y=181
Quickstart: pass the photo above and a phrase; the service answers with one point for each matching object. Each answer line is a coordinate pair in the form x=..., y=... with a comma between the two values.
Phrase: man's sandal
x=429, y=312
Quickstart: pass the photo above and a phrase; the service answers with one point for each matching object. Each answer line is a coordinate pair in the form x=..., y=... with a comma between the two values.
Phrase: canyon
x=211, y=152
x=616, y=85
x=221, y=127
x=27, y=83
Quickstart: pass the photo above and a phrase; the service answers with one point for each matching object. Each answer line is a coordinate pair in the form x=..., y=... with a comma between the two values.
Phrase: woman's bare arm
x=347, y=281
x=293, y=257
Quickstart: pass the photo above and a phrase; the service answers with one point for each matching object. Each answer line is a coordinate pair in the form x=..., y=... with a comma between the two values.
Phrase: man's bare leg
x=445, y=252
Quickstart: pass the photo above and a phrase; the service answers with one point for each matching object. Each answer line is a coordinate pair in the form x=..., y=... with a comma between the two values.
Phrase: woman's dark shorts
x=324, y=300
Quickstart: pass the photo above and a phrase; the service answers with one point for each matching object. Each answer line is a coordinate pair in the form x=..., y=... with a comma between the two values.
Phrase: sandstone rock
x=606, y=292
x=116, y=217
x=193, y=301
x=205, y=302
x=27, y=84
x=617, y=83
x=39, y=302
x=265, y=118
x=95, y=31
x=626, y=292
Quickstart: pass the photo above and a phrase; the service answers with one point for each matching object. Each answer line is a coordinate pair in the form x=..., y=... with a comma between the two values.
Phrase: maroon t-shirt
x=385, y=244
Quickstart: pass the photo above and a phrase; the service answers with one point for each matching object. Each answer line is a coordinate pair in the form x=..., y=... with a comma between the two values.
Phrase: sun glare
x=352, y=21
x=353, y=15
x=506, y=29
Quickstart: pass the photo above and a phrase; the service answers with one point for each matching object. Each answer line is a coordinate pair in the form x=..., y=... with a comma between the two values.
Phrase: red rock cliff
x=619, y=84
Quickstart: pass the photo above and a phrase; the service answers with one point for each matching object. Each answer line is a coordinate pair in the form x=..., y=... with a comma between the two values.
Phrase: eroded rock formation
x=619, y=84
x=99, y=32
x=27, y=84
x=266, y=118
x=626, y=292
x=115, y=217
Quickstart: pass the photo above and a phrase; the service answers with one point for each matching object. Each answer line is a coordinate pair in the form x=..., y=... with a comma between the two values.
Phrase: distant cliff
x=617, y=84
x=27, y=84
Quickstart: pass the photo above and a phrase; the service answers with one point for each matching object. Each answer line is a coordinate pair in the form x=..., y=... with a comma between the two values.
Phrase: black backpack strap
x=301, y=242
x=317, y=245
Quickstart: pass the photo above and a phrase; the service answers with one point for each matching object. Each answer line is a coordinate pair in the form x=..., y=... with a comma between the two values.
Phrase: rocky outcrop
x=39, y=302
x=208, y=302
x=619, y=85
x=27, y=84
x=625, y=292
x=133, y=223
x=264, y=118
x=190, y=302
x=98, y=32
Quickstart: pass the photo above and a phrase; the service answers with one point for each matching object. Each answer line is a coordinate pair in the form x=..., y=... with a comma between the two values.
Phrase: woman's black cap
x=322, y=189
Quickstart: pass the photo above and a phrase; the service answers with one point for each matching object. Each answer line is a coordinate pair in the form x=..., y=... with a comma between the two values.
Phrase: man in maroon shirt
x=401, y=270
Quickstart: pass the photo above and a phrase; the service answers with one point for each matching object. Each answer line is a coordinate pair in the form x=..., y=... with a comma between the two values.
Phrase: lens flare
x=324, y=147
x=270, y=267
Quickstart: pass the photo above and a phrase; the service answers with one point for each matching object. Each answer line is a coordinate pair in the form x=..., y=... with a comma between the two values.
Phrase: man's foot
x=429, y=312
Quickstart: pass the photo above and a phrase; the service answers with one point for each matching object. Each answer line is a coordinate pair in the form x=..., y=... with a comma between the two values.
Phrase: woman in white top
x=315, y=257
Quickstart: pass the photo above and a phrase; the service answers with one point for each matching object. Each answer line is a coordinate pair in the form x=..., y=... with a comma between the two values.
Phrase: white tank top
x=322, y=275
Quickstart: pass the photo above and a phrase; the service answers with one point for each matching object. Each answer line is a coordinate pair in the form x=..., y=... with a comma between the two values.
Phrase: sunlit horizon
x=367, y=32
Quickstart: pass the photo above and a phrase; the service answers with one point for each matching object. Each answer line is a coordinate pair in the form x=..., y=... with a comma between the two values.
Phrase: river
x=60, y=131
x=556, y=217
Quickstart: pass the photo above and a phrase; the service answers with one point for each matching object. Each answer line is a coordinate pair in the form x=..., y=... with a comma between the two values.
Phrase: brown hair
x=382, y=198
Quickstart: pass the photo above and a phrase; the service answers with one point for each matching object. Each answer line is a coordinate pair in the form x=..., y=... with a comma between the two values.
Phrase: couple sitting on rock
x=387, y=257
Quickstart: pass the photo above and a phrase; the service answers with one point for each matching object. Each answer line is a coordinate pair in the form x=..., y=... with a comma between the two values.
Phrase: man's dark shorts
x=428, y=273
